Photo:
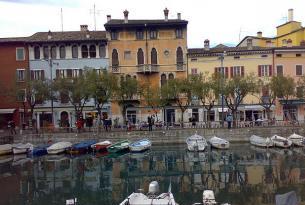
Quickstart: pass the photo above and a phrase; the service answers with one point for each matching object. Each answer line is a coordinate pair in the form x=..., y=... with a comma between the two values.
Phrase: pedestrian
x=193, y=122
x=68, y=126
x=11, y=125
x=149, y=123
x=229, y=120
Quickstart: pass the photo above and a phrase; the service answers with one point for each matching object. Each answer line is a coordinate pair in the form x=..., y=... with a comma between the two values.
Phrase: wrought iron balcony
x=115, y=69
x=148, y=68
x=181, y=67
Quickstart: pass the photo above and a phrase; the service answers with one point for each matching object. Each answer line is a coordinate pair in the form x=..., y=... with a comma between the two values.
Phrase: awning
x=254, y=107
x=225, y=109
x=7, y=111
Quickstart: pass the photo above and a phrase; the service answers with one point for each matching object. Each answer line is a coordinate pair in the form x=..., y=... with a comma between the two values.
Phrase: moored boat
x=297, y=140
x=260, y=141
x=219, y=143
x=101, y=146
x=82, y=147
x=281, y=141
x=140, y=146
x=196, y=143
x=22, y=148
x=40, y=150
x=152, y=198
x=5, y=149
x=59, y=147
x=119, y=146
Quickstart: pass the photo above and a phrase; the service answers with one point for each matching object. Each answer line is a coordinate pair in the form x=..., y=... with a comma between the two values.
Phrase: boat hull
x=5, y=149
x=122, y=146
x=196, y=143
x=140, y=146
x=281, y=141
x=22, y=148
x=261, y=142
x=59, y=147
x=297, y=140
x=219, y=143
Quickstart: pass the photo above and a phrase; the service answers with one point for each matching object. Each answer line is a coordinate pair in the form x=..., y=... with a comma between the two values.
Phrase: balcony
x=148, y=68
x=115, y=69
x=181, y=67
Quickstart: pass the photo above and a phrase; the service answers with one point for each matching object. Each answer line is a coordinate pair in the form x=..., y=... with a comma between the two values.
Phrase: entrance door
x=170, y=116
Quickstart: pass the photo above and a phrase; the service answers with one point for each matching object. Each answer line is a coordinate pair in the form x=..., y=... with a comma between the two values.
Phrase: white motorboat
x=59, y=147
x=140, y=146
x=151, y=198
x=260, y=141
x=5, y=149
x=196, y=143
x=219, y=143
x=22, y=148
x=208, y=198
x=297, y=140
x=281, y=141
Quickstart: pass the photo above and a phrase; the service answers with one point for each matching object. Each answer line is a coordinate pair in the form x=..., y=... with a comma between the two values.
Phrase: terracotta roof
x=13, y=40
x=229, y=51
x=67, y=36
x=141, y=23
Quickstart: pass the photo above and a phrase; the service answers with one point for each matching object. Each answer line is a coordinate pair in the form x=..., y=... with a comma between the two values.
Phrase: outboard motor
x=153, y=188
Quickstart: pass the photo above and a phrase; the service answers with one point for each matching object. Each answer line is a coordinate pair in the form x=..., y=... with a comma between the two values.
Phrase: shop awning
x=7, y=111
x=254, y=107
x=225, y=109
x=292, y=102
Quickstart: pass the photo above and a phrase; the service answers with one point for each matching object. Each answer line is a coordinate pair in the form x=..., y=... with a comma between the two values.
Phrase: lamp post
x=221, y=58
x=50, y=61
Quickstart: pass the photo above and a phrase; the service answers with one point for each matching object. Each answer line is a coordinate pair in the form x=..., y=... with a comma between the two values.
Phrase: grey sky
x=221, y=21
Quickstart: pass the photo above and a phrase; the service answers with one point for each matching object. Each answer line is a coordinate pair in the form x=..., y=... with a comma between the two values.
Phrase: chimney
x=49, y=35
x=83, y=27
x=289, y=43
x=207, y=45
x=179, y=16
x=290, y=15
x=249, y=44
x=126, y=16
x=259, y=34
x=108, y=18
x=166, y=14
x=87, y=34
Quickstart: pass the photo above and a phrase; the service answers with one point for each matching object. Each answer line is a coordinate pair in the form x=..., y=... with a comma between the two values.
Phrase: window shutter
x=226, y=72
x=231, y=72
x=32, y=75
x=259, y=71
x=215, y=70
x=69, y=73
x=242, y=72
x=57, y=74
x=270, y=70
x=80, y=71
x=42, y=75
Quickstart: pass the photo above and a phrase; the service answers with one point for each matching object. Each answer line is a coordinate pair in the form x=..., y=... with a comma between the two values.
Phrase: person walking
x=11, y=125
x=149, y=120
x=229, y=120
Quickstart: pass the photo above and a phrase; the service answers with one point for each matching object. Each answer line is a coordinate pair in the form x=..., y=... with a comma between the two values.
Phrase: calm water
x=241, y=175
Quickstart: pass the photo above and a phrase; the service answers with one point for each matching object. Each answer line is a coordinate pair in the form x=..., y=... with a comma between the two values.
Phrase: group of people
x=151, y=122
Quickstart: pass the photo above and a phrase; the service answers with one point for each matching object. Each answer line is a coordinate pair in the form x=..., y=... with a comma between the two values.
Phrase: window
x=114, y=35
x=84, y=51
x=21, y=95
x=139, y=35
x=264, y=70
x=36, y=52
x=279, y=55
x=154, y=56
x=222, y=71
x=265, y=91
x=115, y=58
x=264, y=56
x=298, y=55
x=64, y=97
x=279, y=70
x=53, y=52
x=92, y=51
x=171, y=76
x=194, y=71
x=60, y=73
x=140, y=56
x=102, y=50
x=46, y=52
x=62, y=52
x=179, y=33
x=299, y=70
x=179, y=56
x=193, y=59
x=20, y=74
x=37, y=74
x=73, y=73
x=153, y=34
x=237, y=71
x=20, y=54
x=127, y=55
x=74, y=51
x=236, y=57
x=163, y=79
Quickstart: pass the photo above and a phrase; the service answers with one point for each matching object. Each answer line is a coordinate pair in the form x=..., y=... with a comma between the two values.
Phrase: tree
x=126, y=92
x=102, y=87
x=75, y=90
x=151, y=96
x=236, y=89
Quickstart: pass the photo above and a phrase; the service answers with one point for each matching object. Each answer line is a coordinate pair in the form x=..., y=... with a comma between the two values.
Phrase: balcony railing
x=181, y=67
x=148, y=68
x=115, y=69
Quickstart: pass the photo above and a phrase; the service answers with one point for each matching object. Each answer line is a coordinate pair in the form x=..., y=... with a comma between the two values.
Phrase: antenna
x=94, y=12
x=62, y=21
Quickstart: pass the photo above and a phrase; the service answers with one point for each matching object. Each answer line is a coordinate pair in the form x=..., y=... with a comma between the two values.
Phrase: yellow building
x=288, y=34
x=148, y=50
x=236, y=61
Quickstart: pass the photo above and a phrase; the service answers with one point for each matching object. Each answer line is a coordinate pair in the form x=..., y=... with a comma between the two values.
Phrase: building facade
x=149, y=50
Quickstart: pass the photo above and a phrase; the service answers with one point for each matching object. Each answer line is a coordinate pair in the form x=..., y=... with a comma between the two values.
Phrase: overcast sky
x=220, y=21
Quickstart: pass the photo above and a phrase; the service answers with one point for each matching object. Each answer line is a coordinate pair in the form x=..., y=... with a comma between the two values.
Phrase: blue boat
x=82, y=147
x=40, y=150
x=140, y=146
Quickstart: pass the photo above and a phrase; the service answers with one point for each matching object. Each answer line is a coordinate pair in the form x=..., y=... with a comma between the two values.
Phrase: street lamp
x=221, y=58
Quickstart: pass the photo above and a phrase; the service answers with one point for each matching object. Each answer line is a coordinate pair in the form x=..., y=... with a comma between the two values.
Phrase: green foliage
x=151, y=96
x=283, y=87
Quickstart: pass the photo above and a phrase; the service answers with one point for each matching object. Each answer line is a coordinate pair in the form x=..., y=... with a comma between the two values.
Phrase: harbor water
x=241, y=175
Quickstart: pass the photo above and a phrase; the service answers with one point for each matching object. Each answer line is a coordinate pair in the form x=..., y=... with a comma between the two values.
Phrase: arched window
x=115, y=58
x=74, y=51
x=53, y=52
x=102, y=49
x=37, y=52
x=163, y=79
x=179, y=56
x=62, y=52
x=46, y=52
x=92, y=51
x=84, y=51
x=154, y=57
x=171, y=76
x=140, y=56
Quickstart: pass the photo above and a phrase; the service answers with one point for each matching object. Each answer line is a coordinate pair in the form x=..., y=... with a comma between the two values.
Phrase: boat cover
x=289, y=198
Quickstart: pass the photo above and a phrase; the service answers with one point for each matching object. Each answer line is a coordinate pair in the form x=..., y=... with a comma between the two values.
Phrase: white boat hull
x=281, y=142
x=260, y=141
x=297, y=140
x=22, y=148
x=142, y=199
x=219, y=143
x=140, y=146
x=5, y=149
x=196, y=143
x=59, y=147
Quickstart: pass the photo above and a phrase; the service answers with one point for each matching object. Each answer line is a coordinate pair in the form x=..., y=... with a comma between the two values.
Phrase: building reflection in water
x=241, y=175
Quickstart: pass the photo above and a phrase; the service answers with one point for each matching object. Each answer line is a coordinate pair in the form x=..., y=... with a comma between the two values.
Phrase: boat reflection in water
x=240, y=175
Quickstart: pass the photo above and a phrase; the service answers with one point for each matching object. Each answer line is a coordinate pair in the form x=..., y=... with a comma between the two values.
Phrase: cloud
x=68, y=3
